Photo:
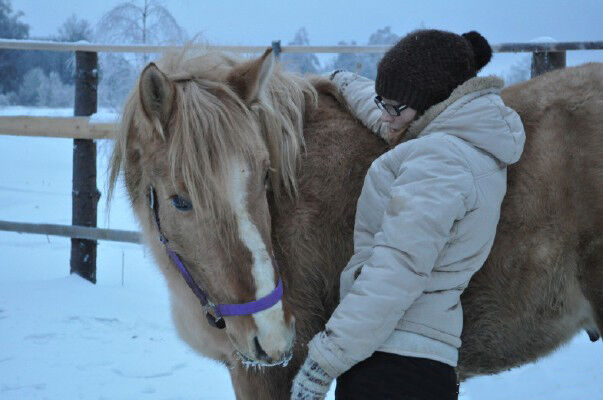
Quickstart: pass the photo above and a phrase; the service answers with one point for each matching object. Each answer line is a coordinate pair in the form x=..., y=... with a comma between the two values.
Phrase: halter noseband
x=213, y=312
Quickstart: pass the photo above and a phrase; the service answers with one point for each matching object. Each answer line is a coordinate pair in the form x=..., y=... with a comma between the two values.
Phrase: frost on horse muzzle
x=214, y=312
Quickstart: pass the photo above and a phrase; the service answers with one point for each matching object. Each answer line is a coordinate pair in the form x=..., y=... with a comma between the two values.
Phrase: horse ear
x=156, y=94
x=249, y=78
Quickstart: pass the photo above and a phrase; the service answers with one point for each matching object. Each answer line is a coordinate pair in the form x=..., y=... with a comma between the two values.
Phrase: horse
x=245, y=178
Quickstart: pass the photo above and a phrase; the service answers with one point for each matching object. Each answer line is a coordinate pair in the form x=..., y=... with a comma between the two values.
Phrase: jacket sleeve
x=429, y=194
x=359, y=93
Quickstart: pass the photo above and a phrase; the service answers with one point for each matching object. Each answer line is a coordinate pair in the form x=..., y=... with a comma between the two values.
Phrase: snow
x=64, y=338
x=71, y=339
x=543, y=39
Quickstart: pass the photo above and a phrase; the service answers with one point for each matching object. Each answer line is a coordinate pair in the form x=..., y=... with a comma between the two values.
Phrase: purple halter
x=214, y=312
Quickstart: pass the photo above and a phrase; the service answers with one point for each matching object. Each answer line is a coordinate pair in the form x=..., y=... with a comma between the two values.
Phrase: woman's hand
x=311, y=382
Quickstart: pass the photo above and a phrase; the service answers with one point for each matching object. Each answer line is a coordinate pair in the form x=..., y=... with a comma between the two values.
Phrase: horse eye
x=181, y=204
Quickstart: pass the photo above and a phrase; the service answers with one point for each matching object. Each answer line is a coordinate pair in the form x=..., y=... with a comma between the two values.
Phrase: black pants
x=385, y=376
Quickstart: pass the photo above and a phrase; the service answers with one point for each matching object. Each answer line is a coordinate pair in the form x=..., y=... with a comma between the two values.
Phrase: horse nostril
x=260, y=353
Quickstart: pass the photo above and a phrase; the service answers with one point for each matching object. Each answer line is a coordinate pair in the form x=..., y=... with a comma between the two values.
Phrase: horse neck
x=313, y=232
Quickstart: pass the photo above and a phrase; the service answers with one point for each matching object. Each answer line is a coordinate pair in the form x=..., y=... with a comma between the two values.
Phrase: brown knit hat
x=425, y=66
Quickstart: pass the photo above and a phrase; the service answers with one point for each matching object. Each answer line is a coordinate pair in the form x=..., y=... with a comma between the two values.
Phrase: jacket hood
x=474, y=115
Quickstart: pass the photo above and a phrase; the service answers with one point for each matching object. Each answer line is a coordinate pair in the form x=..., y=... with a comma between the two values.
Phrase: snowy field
x=64, y=338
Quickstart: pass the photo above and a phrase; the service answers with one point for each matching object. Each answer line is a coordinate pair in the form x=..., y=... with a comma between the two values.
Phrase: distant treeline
x=46, y=78
x=37, y=77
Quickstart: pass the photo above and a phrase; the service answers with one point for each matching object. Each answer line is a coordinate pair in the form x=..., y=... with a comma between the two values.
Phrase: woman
x=425, y=223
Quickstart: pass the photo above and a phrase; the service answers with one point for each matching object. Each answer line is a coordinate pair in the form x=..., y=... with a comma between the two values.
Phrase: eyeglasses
x=391, y=109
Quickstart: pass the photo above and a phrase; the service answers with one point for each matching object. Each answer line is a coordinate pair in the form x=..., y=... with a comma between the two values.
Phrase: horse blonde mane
x=210, y=123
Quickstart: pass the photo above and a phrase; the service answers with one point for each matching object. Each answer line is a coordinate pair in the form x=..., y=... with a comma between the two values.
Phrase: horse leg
x=591, y=281
x=241, y=383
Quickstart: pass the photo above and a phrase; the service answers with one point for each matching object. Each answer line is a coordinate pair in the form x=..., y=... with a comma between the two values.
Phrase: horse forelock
x=210, y=124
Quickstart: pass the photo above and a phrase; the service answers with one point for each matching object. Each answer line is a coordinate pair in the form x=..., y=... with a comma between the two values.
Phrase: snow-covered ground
x=64, y=338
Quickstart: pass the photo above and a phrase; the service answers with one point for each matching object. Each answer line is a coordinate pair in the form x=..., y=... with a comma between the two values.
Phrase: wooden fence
x=85, y=195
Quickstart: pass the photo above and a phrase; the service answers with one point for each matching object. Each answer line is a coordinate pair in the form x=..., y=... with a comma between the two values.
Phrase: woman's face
x=397, y=125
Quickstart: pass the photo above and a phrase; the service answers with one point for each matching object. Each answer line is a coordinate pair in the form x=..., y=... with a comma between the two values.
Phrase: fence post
x=276, y=48
x=85, y=195
x=545, y=61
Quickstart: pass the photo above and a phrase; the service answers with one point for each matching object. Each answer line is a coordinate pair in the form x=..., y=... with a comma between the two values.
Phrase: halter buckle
x=216, y=323
x=214, y=318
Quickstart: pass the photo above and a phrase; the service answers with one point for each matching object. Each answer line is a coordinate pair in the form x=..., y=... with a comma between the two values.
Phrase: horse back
x=542, y=281
x=562, y=164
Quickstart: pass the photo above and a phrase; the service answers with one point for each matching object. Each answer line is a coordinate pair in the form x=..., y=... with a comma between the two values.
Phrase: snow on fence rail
x=112, y=48
x=83, y=231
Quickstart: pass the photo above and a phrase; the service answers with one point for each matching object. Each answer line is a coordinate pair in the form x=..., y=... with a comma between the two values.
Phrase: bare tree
x=75, y=29
x=148, y=23
x=132, y=22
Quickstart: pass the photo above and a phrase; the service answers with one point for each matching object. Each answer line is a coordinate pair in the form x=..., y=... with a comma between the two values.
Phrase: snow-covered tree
x=347, y=61
x=75, y=29
x=11, y=61
x=302, y=63
x=365, y=64
x=41, y=89
x=10, y=26
x=117, y=77
x=520, y=71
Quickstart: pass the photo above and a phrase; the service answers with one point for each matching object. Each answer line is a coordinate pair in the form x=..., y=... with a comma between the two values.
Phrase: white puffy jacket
x=425, y=223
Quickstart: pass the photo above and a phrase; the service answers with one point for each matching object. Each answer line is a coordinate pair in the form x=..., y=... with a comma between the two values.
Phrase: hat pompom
x=481, y=48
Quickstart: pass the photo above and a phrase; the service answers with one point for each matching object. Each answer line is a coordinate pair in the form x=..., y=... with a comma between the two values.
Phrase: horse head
x=199, y=163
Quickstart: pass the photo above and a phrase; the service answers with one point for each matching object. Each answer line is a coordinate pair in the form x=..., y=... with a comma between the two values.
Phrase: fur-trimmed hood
x=475, y=113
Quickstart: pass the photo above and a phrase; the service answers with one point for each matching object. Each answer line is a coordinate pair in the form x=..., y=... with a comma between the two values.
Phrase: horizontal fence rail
x=550, y=47
x=545, y=57
x=113, y=48
x=73, y=231
x=57, y=127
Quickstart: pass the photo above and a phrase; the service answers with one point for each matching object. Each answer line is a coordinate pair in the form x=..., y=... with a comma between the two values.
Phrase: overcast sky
x=327, y=22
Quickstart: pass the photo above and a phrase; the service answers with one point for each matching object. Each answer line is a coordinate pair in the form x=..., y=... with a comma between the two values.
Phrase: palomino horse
x=243, y=175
